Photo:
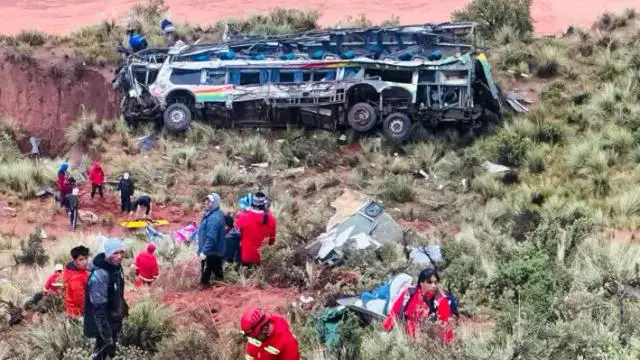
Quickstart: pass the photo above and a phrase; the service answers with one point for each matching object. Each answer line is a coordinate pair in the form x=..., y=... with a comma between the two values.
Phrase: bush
x=254, y=149
x=188, y=344
x=32, y=37
x=493, y=15
x=507, y=148
x=148, y=324
x=549, y=60
x=32, y=251
x=277, y=21
x=400, y=188
x=56, y=338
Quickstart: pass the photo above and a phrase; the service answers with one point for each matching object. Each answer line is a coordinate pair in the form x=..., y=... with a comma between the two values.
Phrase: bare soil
x=63, y=17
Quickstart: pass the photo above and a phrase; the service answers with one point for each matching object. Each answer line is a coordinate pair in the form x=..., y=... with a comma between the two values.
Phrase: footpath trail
x=42, y=212
x=60, y=17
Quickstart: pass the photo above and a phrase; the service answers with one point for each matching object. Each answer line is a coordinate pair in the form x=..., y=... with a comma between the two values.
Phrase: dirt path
x=43, y=212
x=62, y=16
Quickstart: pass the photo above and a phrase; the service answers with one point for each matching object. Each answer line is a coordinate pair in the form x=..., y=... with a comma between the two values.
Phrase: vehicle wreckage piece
x=368, y=227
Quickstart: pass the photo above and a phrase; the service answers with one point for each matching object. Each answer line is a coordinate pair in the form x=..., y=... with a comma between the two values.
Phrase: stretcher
x=139, y=224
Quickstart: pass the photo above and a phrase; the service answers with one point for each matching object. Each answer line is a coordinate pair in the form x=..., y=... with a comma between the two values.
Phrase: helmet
x=251, y=321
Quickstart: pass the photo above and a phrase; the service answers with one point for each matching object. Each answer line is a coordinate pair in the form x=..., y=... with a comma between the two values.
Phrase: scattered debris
x=260, y=165
x=9, y=211
x=494, y=168
x=424, y=255
x=293, y=172
x=515, y=100
x=35, y=150
x=45, y=191
x=88, y=217
x=146, y=143
x=342, y=140
x=368, y=226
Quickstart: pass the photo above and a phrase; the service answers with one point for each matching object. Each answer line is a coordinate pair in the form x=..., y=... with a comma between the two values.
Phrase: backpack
x=453, y=304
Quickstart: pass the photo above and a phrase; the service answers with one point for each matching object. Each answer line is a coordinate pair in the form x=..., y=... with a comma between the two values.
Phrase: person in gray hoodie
x=104, y=306
x=211, y=241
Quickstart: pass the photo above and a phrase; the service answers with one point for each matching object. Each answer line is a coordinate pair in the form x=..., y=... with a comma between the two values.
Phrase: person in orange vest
x=269, y=336
x=75, y=278
x=146, y=266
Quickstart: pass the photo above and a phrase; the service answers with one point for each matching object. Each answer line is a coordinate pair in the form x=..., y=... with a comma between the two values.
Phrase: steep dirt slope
x=63, y=16
x=45, y=94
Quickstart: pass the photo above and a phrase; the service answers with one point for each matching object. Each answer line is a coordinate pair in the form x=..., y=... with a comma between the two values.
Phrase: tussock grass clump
x=225, y=174
x=400, y=188
x=188, y=344
x=276, y=21
x=626, y=204
x=506, y=148
x=31, y=37
x=549, y=60
x=86, y=129
x=56, y=338
x=492, y=15
x=254, y=149
x=148, y=324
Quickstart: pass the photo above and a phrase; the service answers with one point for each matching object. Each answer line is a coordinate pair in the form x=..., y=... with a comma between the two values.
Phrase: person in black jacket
x=126, y=188
x=70, y=203
x=104, y=306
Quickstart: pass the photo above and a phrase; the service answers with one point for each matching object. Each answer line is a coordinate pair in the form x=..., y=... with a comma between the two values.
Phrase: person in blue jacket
x=137, y=42
x=211, y=241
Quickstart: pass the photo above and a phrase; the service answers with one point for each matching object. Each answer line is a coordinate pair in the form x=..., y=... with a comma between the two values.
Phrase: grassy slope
x=535, y=270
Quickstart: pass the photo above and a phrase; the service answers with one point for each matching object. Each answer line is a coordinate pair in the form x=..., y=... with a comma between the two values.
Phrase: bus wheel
x=177, y=117
x=396, y=127
x=362, y=117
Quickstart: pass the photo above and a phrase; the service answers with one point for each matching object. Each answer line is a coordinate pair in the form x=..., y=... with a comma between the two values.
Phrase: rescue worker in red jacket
x=96, y=178
x=75, y=276
x=269, y=336
x=146, y=266
x=417, y=305
x=257, y=226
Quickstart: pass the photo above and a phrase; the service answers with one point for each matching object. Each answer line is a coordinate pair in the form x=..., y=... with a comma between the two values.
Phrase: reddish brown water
x=61, y=16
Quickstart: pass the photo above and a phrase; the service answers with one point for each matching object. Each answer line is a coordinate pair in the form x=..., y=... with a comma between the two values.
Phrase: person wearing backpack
x=422, y=303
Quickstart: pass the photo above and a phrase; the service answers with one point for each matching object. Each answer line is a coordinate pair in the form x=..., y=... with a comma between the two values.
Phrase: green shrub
x=55, y=338
x=188, y=344
x=148, y=324
x=549, y=60
x=254, y=149
x=32, y=252
x=493, y=15
x=400, y=188
x=31, y=37
x=277, y=21
x=507, y=148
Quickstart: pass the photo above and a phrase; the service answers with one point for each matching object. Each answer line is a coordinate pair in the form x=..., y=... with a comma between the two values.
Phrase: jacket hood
x=100, y=262
x=96, y=166
x=71, y=266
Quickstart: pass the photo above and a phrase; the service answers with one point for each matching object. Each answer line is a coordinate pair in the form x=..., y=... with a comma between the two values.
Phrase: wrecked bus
x=323, y=80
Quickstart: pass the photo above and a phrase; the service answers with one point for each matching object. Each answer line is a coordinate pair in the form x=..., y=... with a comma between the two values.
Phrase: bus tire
x=177, y=117
x=362, y=117
x=396, y=127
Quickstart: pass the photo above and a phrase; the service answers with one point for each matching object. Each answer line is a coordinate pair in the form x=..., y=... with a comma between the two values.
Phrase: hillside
x=549, y=16
x=543, y=260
